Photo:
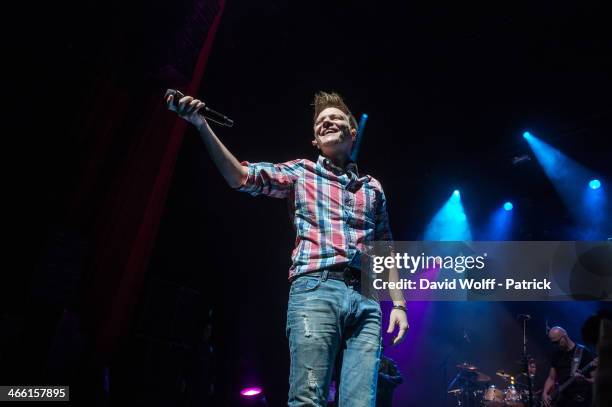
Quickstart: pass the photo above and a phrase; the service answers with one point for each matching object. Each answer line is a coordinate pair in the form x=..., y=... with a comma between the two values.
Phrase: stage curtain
x=132, y=143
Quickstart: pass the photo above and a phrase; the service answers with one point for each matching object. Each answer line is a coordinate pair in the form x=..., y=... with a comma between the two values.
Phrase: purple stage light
x=251, y=391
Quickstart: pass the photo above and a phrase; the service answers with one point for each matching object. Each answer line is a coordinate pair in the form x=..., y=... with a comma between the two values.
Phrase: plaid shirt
x=334, y=211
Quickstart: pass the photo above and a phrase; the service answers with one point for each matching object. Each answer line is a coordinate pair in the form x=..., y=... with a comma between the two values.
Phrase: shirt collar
x=351, y=166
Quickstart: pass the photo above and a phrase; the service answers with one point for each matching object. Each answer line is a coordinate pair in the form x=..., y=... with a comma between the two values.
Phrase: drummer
x=537, y=382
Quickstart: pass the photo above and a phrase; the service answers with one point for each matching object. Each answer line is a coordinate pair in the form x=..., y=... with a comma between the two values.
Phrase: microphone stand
x=526, y=360
x=444, y=367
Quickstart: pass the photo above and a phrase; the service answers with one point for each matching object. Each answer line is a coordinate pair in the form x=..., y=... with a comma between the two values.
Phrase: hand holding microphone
x=194, y=110
x=186, y=107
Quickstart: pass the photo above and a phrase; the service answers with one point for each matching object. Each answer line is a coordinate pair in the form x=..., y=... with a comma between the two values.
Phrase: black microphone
x=524, y=316
x=212, y=115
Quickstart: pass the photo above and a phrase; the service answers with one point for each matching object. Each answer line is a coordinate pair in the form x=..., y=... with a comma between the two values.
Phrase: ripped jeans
x=328, y=320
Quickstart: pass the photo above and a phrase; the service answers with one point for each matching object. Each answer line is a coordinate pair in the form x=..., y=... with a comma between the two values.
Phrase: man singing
x=335, y=211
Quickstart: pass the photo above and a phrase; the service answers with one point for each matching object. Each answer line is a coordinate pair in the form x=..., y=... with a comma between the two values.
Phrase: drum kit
x=472, y=388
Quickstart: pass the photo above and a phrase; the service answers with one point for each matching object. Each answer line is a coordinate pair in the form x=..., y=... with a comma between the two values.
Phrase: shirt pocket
x=368, y=207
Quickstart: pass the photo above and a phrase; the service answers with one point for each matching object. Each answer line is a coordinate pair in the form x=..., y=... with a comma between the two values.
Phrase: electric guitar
x=557, y=393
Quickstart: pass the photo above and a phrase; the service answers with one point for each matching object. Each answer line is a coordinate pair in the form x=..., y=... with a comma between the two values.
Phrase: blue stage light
x=585, y=201
x=500, y=225
x=594, y=184
x=450, y=222
x=526, y=134
x=359, y=138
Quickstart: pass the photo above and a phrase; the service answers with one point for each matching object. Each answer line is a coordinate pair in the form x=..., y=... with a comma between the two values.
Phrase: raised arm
x=187, y=108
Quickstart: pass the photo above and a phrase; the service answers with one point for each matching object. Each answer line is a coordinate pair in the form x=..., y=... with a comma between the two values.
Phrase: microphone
x=524, y=316
x=466, y=336
x=212, y=115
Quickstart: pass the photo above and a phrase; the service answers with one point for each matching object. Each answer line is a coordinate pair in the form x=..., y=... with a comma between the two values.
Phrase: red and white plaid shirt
x=334, y=211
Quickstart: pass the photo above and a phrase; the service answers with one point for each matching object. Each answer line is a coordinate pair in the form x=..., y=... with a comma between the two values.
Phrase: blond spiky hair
x=323, y=100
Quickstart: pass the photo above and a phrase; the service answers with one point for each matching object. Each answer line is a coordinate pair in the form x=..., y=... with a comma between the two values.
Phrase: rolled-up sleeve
x=383, y=228
x=274, y=180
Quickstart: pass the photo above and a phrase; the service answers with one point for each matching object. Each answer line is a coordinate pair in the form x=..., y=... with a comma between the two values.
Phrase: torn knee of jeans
x=307, y=332
x=312, y=380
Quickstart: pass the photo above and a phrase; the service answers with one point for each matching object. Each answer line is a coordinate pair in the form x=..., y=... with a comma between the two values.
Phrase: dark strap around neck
x=576, y=359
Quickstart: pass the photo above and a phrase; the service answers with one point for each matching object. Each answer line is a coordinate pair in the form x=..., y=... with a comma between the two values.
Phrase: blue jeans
x=326, y=317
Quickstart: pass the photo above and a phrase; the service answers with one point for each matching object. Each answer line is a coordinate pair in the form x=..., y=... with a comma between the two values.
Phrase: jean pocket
x=305, y=284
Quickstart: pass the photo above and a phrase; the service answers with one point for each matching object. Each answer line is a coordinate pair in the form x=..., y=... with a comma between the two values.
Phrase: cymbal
x=467, y=366
x=481, y=377
x=475, y=376
x=455, y=391
x=503, y=374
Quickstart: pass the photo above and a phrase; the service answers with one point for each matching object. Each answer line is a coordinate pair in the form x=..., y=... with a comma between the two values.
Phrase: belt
x=350, y=275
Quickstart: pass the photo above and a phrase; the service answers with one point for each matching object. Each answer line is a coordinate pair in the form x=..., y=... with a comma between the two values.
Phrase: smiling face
x=333, y=132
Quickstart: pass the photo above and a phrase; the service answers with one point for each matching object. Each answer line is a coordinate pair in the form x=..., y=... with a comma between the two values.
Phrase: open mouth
x=328, y=131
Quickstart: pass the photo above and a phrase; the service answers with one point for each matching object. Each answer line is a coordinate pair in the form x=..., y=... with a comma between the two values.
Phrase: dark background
x=449, y=89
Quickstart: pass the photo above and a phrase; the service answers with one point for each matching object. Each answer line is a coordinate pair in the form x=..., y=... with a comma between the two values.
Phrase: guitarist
x=568, y=358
